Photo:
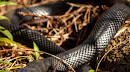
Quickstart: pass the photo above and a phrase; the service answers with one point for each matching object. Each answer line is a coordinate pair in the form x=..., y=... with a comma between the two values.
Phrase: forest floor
x=68, y=31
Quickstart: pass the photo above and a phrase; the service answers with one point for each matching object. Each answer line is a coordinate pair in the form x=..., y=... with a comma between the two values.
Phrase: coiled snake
x=104, y=30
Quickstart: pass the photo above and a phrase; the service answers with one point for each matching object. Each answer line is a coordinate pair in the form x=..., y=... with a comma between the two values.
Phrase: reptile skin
x=105, y=28
x=27, y=36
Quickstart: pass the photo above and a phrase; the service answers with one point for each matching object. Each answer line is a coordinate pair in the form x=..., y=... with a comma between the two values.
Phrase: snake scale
x=104, y=30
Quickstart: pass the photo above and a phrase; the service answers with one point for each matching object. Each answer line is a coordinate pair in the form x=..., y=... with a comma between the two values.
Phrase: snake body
x=104, y=30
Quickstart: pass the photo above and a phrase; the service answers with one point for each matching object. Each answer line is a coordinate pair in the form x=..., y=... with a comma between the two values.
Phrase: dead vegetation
x=70, y=27
x=58, y=28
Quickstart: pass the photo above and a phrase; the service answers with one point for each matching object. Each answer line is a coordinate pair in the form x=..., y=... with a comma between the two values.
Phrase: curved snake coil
x=104, y=30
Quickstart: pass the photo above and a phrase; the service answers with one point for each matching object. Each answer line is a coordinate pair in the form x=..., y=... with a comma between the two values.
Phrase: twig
x=57, y=65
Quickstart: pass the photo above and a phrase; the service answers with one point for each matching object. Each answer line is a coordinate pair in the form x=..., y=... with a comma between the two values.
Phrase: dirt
x=70, y=29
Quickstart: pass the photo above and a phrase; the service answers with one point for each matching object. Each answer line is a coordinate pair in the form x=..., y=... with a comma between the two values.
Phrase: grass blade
x=36, y=48
x=6, y=33
x=92, y=71
x=3, y=17
x=7, y=3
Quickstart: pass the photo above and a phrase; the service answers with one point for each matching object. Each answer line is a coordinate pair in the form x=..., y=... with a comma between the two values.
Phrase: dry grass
x=65, y=30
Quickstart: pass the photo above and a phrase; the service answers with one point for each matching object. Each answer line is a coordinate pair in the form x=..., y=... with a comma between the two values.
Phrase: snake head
x=37, y=66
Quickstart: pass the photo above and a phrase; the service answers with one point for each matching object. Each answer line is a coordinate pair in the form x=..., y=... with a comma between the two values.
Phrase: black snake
x=104, y=30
